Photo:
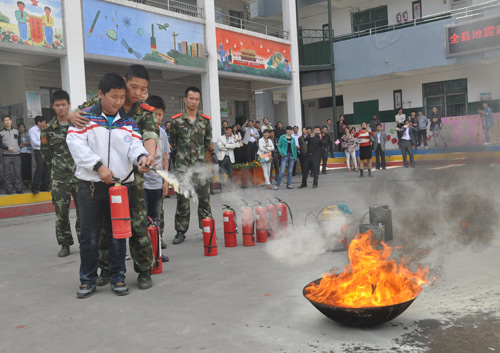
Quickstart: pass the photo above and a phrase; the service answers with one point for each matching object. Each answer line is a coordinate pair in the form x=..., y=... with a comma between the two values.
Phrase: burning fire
x=370, y=280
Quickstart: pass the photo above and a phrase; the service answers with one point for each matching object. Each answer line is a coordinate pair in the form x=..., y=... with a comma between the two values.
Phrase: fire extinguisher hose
x=158, y=248
x=211, y=236
x=289, y=210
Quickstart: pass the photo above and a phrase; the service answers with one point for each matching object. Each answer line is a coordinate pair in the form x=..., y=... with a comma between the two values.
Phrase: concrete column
x=210, y=79
x=293, y=91
x=73, y=64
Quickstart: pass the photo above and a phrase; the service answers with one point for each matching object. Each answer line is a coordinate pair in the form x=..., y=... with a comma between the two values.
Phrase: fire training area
x=250, y=299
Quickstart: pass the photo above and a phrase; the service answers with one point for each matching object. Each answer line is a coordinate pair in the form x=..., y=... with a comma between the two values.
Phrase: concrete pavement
x=249, y=299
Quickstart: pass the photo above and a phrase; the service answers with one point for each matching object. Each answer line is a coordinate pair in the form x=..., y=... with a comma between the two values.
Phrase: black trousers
x=251, y=151
x=422, y=134
x=324, y=159
x=407, y=149
x=276, y=163
x=379, y=157
x=41, y=178
x=226, y=165
x=311, y=163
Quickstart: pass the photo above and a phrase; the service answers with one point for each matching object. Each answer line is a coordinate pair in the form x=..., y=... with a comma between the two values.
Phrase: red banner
x=36, y=29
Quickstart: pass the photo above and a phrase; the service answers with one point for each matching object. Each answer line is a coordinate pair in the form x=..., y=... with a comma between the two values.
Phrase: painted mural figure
x=48, y=23
x=22, y=17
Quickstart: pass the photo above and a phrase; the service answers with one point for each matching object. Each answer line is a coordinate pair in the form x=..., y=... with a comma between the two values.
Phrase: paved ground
x=250, y=299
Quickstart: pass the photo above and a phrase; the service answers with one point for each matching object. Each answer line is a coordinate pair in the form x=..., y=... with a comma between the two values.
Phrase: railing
x=174, y=6
x=308, y=36
x=462, y=13
x=250, y=26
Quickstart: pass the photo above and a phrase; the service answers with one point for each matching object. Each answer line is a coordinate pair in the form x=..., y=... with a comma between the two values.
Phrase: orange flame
x=370, y=280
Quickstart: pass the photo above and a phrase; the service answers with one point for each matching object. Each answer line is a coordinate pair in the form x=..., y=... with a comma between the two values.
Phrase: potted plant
x=248, y=174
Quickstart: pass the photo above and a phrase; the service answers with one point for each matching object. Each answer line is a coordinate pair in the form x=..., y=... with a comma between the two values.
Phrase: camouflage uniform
x=141, y=249
x=191, y=141
x=55, y=153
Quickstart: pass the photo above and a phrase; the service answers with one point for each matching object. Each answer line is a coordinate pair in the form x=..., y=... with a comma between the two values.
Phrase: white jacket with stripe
x=117, y=147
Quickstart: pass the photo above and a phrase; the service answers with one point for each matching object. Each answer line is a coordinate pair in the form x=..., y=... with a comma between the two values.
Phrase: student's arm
x=4, y=147
x=220, y=144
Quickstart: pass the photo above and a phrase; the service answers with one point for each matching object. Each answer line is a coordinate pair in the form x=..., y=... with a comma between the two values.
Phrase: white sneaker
x=486, y=143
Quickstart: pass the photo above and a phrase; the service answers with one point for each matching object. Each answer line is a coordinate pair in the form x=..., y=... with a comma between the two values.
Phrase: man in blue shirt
x=488, y=122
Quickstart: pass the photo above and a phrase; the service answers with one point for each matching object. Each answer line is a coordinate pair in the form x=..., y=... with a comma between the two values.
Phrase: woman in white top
x=400, y=117
x=238, y=141
x=266, y=146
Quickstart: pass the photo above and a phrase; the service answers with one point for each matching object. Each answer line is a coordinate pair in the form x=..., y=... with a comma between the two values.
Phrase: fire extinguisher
x=405, y=15
x=247, y=226
x=261, y=223
x=120, y=211
x=209, y=237
x=230, y=227
x=399, y=17
x=272, y=217
x=154, y=233
x=282, y=207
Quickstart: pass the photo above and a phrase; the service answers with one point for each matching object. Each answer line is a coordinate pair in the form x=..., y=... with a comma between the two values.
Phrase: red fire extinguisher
x=120, y=211
x=272, y=217
x=230, y=227
x=261, y=223
x=209, y=237
x=154, y=233
x=405, y=15
x=282, y=207
x=399, y=17
x=247, y=226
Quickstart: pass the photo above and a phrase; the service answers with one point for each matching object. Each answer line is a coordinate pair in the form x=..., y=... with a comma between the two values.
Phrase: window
x=242, y=111
x=368, y=19
x=236, y=18
x=450, y=97
x=45, y=95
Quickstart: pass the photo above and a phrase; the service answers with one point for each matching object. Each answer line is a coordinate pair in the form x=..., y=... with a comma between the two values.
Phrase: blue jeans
x=153, y=203
x=284, y=160
x=23, y=30
x=94, y=211
x=49, y=35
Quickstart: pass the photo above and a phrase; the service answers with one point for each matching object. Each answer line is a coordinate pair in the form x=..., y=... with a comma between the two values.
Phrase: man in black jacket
x=315, y=143
x=327, y=148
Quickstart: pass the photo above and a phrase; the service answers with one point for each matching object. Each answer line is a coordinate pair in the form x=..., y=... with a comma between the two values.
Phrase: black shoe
x=64, y=251
x=103, y=278
x=8, y=192
x=323, y=172
x=35, y=191
x=163, y=244
x=179, y=238
x=85, y=291
x=315, y=186
x=20, y=191
x=302, y=186
x=406, y=166
x=119, y=288
x=164, y=258
x=370, y=173
x=144, y=280
x=361, y=173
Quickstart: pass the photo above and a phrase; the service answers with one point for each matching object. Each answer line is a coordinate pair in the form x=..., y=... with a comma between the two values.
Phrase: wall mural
x=125, y=32
x=32, y=22
x=240, y=53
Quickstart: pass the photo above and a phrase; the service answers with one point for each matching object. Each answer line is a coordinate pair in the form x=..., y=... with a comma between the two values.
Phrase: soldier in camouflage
x=137, y=79
x=55, y=153
x=191, y=135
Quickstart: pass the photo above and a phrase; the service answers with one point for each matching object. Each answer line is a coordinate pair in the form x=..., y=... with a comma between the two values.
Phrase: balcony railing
x=174, y=6
x=241, y=23
x=465, y=12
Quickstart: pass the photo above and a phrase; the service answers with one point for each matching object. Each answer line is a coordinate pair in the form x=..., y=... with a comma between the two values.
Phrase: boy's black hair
x=289, y=128
x=156, y=101
x=308, y=128
x=59, y=95
x=6, y=116
x=47, y=8
x=324, y=127
x=379, y=124
x=39, y=119
x=375, y=114
x=317, y=127
x=111, y=81
x=20, y=3
x=229, y=128
x=138, y=71
x=364, y=122
x=266, y=130
x=192, y=89
x=420, y=110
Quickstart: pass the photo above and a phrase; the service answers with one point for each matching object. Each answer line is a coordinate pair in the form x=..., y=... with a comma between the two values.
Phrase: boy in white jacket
x=106, y=148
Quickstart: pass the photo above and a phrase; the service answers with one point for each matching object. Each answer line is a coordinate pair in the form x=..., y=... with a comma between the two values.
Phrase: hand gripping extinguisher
x=247, y=226
x=154, y=233
x=261, y=223
x=209, y=237
x=272, y=217
x=120, y=211
x=283, y=216
x=230, y=227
